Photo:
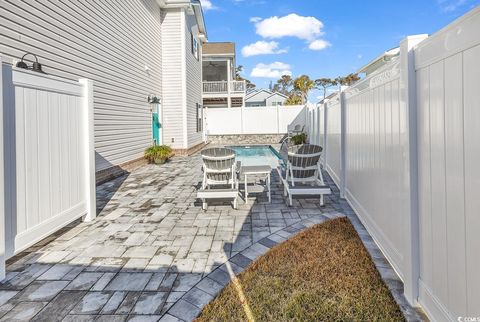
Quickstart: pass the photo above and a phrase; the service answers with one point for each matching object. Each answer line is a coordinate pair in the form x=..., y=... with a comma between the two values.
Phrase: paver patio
x=153, y=254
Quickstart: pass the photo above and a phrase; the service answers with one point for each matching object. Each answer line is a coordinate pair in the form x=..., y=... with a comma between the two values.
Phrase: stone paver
x=153, y=254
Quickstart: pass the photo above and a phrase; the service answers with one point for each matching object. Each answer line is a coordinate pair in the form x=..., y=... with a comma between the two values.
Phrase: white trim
x=183, y=45
x=455, y=37
x=408, y=92
x=89, y=149
x=29, y=79
x=432, y=306
x=2, y=184
x=28, y=238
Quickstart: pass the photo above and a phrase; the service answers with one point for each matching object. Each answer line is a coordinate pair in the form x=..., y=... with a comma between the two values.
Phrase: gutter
x=193, y=5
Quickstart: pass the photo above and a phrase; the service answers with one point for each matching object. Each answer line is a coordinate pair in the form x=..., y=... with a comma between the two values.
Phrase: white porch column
x=409, y=98
x=229, y=79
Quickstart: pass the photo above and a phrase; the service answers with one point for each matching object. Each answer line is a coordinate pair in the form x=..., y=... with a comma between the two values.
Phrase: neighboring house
x=263, y=97
x=130, y=51
x=380, y=61
x=220, y=89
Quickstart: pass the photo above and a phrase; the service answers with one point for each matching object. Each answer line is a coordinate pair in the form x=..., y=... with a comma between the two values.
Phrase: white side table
x=256, y=170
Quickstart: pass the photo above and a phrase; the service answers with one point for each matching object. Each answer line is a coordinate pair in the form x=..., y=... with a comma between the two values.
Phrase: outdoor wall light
x=36, y=66
x=152, y=99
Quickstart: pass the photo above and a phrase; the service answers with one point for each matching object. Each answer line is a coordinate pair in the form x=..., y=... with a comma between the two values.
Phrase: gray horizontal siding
x=107, y=42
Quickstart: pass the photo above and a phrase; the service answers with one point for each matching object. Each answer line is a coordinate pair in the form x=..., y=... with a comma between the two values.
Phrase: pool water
x=256, y=155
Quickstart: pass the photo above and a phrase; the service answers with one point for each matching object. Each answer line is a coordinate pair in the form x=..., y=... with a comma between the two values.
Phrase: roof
x=258, y=91
x=380, y=60
x=279, y=94
x=219, y=48
x=195, y=8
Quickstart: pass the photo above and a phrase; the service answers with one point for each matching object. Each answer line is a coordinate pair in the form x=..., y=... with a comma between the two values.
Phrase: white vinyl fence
x=49, y=169
x=403, y=145
x=253, y=120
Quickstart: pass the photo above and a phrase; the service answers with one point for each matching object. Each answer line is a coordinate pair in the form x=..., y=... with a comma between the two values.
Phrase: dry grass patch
x=322, y=274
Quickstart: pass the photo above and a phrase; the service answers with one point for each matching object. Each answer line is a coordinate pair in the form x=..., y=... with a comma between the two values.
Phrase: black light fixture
x=152, y=99
x=36, y=66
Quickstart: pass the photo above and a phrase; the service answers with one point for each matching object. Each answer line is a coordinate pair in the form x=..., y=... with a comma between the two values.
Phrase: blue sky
x=320, y=38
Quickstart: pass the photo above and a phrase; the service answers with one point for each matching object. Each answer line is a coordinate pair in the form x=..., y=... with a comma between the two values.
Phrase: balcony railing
x=222, y=87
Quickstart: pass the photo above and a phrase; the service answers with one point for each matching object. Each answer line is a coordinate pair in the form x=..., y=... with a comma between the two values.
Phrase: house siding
x=194, y=82
x=257, y=99
x=107, y=43
x=172, y=72
x=275, y=99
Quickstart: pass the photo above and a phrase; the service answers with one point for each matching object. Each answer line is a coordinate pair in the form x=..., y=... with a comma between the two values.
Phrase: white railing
x=222, y=87
x=237, y=86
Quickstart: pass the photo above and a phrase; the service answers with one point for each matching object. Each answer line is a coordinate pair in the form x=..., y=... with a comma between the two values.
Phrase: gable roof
x=279, y=94
x=249, y=96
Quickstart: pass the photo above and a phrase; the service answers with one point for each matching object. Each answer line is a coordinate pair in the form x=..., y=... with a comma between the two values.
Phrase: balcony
x=224, y=88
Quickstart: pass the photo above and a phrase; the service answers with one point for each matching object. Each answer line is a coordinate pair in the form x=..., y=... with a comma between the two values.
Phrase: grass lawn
x=322, y=274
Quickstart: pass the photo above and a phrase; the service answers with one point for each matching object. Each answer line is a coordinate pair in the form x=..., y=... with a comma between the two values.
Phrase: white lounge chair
x=219, y=175
x=301, y=173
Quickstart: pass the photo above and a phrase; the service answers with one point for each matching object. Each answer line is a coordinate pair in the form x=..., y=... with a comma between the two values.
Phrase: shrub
x=158, y=153
x=299, y=139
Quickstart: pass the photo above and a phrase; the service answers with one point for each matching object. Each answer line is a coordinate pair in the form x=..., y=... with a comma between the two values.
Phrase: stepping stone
x=129, y=282
x=84, y=281
x=150, y=303
x=40, y=291
x=114, y=302
x=197, y=297
x=23, y=311
x=6, y=295
x=91, y=303
x=184, y=310
x=60, y=306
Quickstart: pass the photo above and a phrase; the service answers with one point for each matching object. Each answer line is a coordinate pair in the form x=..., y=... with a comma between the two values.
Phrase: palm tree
x=293, y=99
x=302, y=85
x=324, y=83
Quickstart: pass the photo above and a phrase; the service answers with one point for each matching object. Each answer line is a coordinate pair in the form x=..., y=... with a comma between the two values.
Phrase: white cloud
x=292, y=25
x=273, y=70
x=262, y=48
x=207, y=5
x=450, y=5
x=319, y=44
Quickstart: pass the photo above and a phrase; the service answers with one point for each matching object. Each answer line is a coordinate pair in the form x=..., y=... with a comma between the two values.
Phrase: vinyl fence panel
x=253, y=120
x=333, y=155
x=51, y=169
x=448, y=101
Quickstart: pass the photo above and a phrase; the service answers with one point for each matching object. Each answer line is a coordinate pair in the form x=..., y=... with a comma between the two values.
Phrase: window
x=199, y=118
x=194, y=46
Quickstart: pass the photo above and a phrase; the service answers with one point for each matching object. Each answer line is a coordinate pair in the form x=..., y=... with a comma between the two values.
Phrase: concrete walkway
x=153, y=254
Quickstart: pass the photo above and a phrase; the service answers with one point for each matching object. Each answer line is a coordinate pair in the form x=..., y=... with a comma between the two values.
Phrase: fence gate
x=49, y=155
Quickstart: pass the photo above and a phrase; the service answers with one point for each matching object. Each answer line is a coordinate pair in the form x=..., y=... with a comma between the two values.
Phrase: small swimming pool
x=256, y=155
